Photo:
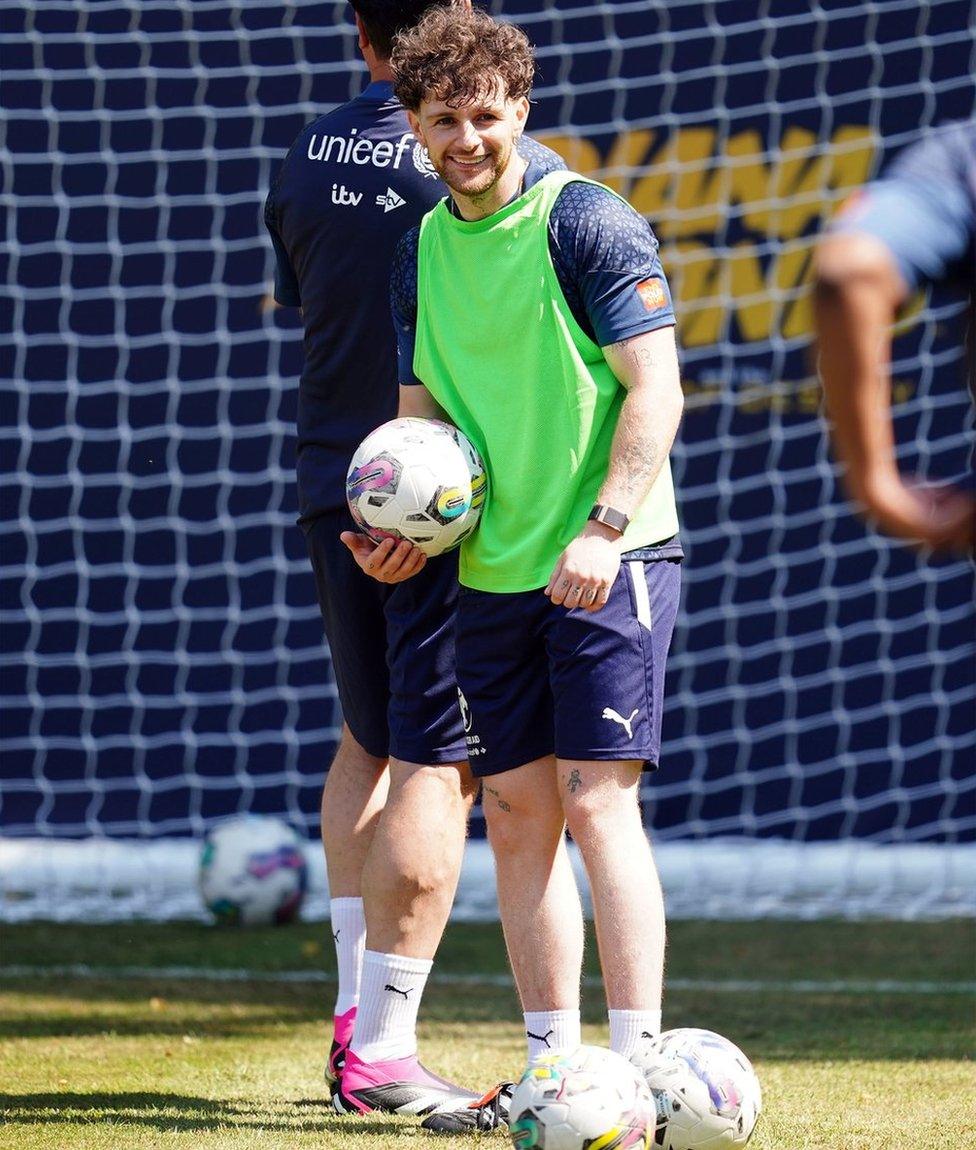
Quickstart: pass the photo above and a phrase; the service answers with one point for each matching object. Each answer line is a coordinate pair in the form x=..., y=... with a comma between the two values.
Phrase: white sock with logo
x=630, y=1028
x=386, y=1021
x=551, y=1031
x=349, y=935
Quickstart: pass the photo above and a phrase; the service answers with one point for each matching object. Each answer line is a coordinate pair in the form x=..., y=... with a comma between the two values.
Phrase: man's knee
x=516, y=824
x=435, y=791
x=599, y=799
x=353, y=760
x=352, y=749
x=420, y=877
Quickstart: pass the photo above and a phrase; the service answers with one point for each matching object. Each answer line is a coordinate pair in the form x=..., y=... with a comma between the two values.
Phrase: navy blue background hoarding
x=163, y=660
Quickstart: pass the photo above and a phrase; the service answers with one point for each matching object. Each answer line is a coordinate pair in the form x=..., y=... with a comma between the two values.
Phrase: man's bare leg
x=602, y=810
x=408, y=883
x=411, y=872
x=538, y=899
x=352, y=800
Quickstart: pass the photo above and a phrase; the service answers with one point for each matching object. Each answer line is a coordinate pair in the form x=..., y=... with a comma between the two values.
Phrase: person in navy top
x=353, y=182
x=914, y=227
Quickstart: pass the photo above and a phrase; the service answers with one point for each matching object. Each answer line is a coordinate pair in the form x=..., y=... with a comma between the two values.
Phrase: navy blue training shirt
x=352, y=183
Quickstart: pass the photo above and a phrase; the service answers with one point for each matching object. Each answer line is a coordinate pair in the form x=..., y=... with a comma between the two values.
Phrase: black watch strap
x=611, y=517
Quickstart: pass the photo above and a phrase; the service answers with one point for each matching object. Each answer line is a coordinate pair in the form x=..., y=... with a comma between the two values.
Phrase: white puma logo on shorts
x=610, y=713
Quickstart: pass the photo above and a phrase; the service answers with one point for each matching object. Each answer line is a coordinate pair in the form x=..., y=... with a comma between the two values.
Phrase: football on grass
x=253, y=871
x=416, y=479
x=707, y=1093
x=589, y=1098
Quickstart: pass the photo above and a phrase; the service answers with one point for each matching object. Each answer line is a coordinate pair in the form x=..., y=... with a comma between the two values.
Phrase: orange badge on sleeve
x=653, y=295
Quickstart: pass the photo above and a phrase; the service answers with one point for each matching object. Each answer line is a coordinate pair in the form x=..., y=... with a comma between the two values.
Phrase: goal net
x=163, y=659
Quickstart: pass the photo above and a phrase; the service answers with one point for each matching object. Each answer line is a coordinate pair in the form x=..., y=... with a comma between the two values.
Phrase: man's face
x=471, y=146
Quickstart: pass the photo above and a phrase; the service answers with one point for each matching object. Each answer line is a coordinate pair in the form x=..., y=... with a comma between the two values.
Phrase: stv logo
x=389, y=201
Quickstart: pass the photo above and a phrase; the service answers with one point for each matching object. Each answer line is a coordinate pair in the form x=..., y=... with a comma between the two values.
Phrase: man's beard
x=486, y=180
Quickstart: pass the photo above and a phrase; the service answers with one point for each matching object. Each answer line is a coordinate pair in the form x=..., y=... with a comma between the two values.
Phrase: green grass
x=194, y=1065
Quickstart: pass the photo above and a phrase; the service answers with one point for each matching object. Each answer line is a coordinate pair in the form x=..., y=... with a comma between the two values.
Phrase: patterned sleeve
x=286, y=289
x=923, y=209
x=606, y=258
x=539, y=156
x=403, y=302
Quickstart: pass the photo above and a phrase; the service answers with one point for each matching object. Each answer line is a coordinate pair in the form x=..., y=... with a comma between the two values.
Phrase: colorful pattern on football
x=587, y=1099
x=253, y=871
x=706, y=1090
x=417, y=479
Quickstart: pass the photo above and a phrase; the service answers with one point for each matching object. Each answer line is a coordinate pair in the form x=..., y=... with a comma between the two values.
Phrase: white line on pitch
x=720, y=986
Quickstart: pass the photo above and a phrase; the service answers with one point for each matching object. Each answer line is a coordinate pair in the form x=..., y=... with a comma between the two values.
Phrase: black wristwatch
x=608, y=515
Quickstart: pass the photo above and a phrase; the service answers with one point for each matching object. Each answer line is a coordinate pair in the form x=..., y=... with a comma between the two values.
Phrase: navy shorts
x=392, y=647
x=538, y=679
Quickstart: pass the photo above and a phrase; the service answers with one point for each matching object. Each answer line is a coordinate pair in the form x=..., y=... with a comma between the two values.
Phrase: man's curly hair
x=459, y=56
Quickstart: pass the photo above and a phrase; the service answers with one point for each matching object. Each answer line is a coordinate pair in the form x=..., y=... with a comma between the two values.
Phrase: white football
x=590, y=1097
x=253, y=871
x=707, y=1093
x=417, y=479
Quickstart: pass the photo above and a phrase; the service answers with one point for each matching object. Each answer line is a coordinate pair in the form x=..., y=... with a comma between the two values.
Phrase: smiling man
x=532, y=311
x=472, y=147
x=355, y=180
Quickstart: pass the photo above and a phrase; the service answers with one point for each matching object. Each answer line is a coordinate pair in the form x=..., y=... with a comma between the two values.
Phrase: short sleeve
x=403, y=302
x=286, y=289
x=543, y=159
x=923, y=209
x=606, y=258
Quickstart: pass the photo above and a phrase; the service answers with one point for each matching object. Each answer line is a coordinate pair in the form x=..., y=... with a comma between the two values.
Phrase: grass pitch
x=118, y=1056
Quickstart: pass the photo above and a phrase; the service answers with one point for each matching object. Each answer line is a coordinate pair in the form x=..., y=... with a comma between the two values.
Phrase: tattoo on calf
x=574, y=781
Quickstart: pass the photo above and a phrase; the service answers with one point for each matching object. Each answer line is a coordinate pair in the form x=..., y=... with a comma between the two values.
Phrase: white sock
x=551, y=1031
x=629, y=1028
x=349, y=934
x=386, y=1021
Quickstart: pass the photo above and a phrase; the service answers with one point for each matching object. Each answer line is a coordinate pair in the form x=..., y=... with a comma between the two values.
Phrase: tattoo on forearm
x=498, y=799
x=638, y=459
x=574, y=782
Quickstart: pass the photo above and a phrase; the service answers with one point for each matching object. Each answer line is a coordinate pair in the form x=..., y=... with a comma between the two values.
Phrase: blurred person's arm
x=858, y=290
x=905, y=232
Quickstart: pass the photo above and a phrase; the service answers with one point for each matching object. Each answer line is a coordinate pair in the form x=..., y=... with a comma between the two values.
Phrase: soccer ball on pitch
x=417, y=479
x=590, y=1097
x=707, y=1093
x=253, y=871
